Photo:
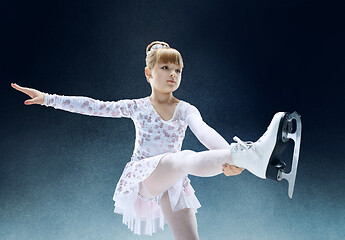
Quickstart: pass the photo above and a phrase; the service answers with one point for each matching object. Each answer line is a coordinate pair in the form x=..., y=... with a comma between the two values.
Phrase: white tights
x=175, y=166
x=182, y=223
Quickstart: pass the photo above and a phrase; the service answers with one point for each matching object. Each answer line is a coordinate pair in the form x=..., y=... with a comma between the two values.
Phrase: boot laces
x=243, y=145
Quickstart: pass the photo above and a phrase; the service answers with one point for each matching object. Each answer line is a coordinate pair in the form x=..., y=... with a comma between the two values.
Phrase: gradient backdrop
x=244, y=61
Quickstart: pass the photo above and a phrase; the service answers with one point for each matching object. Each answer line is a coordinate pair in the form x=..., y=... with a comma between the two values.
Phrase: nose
x=173, y=74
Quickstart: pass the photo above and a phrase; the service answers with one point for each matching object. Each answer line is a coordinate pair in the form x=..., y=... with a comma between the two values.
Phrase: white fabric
x=205, y=134
x=154, y=138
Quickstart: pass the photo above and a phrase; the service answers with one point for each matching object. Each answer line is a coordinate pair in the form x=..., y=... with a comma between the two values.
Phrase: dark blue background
x=244, y=61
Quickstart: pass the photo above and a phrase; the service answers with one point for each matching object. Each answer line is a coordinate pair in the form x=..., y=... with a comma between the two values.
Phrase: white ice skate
x=263, y=158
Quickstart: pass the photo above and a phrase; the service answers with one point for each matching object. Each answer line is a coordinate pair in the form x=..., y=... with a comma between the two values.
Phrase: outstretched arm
x=79, y=104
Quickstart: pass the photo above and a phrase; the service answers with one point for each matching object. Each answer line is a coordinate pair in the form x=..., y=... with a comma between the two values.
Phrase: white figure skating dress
x=155, y=137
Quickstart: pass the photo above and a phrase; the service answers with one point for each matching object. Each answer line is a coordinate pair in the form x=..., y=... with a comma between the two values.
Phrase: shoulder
x=133, y=104
x=186, y=105
x=188, y=109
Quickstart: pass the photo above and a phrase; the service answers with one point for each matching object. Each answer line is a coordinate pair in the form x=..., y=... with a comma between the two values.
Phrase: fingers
x=35, y=100
x=19, y=88
x=15, y=85
x=28, y=91
x=37, y=96
x=226, y=170
x=29, y=102
x=231, y=170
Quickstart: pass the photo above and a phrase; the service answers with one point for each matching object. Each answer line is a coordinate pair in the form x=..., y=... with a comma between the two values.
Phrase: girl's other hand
x=37, y=97
x=230, y=170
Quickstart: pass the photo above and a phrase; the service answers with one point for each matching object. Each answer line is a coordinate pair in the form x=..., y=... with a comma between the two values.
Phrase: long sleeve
x=89, y=106
x=209, y=137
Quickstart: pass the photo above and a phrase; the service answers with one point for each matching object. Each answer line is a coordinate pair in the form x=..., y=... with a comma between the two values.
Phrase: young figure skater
x=154, y=187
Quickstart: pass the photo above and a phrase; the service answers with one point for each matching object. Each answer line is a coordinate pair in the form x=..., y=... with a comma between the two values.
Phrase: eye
x=165, y=67
x=178, y=70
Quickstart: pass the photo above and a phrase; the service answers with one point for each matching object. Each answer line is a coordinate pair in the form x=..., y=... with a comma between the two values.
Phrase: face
x=164, y=77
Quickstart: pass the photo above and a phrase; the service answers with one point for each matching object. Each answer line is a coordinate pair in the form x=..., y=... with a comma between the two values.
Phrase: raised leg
x=261, y=158
x=175, y=166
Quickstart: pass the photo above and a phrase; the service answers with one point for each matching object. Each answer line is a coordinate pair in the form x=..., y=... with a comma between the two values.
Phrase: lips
x=172, y=81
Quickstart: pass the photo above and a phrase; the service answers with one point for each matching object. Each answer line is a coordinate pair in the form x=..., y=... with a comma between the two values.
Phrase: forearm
x=84, y=105
x=209, y=137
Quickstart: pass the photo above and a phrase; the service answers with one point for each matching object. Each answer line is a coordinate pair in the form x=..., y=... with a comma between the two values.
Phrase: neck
x=160, y=97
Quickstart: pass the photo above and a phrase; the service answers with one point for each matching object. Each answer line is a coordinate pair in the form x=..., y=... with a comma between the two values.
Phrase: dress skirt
x=144, y=216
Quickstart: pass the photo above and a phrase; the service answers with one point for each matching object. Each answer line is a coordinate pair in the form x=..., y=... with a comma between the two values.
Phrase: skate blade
x=296, y=137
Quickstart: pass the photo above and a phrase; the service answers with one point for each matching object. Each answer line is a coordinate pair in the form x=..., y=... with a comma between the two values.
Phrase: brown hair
x=165, y=55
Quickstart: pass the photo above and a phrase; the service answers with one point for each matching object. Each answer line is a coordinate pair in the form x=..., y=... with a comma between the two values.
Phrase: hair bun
x=156, y=45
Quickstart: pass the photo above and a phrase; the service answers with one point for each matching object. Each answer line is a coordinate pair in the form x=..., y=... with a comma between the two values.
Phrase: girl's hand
x=37, y=96
x=231, y=170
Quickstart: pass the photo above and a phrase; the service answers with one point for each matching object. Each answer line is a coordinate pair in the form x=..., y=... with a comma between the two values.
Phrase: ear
x=148, y=73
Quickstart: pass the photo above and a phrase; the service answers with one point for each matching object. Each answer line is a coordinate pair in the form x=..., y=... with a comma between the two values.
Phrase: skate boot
x=263, y=158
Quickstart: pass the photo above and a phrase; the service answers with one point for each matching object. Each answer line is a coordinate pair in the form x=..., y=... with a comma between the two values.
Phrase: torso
x=159, y=129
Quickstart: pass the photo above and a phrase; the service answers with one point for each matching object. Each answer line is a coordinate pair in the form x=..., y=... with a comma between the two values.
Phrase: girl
x=154, y=187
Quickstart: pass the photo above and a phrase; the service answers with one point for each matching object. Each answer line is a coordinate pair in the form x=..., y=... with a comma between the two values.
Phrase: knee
x=177, y=160
x=184, y=159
